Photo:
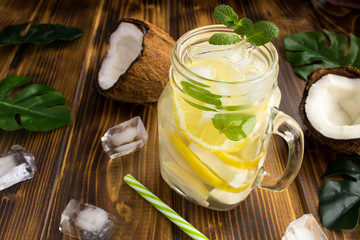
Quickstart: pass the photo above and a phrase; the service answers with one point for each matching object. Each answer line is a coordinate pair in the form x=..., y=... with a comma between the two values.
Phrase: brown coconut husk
x=148, y=74
x=341, y=145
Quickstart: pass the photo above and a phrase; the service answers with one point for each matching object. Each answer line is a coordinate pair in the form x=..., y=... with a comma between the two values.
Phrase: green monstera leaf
x=36, y=107
x=339, y=201
x=310, y=50
x=38, y=34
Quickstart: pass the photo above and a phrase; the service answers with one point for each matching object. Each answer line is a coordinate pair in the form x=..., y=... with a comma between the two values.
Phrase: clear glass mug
x=216, y=117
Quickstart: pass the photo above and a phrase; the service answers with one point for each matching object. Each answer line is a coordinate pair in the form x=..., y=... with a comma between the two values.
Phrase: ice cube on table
x=86, y=221
x=304, y=228
x=124, y=138
x=15, y=166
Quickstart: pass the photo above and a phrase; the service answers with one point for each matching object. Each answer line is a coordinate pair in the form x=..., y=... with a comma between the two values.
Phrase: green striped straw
x=165, y=209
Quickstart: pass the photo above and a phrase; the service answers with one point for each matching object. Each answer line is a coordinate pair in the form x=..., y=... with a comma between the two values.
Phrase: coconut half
x=330, y=107
x=137, y=63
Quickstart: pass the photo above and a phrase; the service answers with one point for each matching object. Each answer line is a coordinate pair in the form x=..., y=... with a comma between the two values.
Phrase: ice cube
x=124, y=138
x=238, y=55
x=205, y=72
x=15, y=166
x=304, y=228
x=86, y=221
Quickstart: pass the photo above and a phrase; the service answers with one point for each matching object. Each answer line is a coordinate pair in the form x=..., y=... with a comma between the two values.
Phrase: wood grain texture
x=71, y=162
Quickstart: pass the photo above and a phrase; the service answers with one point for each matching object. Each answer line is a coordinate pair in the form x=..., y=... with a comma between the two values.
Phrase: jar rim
x=178, y=63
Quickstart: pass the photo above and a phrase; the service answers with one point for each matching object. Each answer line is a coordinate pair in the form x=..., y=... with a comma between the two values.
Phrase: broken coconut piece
x=137, y=63
x=330, y=107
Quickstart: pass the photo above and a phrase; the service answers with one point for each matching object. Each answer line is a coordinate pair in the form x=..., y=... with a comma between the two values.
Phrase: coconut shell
x=148, y=74
x=341, y=145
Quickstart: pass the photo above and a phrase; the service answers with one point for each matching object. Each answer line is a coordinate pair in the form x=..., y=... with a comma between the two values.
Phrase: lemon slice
x=198, y=127
x=237, y=162
x=233, y=176
x=191, y=186
x=229, y=197
x=201, y=169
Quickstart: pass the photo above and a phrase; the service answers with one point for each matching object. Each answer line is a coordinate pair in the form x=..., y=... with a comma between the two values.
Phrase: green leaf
x=257, y=34
x=38, y=34
x=201, y=94
x=235, y=126
x=37, y=106
x=225, y=14
x=310, y=50
x=262, y=32
x=243, y=26
x=342, y=166
x=224, y=39
x=339, y=201
x=202, y=108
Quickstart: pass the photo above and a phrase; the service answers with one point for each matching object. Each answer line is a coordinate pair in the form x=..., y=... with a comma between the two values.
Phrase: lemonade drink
x=214, y=119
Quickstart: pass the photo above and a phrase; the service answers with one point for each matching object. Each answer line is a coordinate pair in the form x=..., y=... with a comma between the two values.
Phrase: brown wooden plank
x=317, y=157
x=58, y=65
x=87, y=173
x=11, y=13
x=71, y=162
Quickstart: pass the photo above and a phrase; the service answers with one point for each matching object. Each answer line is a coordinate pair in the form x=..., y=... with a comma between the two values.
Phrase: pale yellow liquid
x=212, y=178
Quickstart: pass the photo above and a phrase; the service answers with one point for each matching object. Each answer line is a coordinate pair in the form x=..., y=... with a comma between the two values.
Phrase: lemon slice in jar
x=197, y=126
x=238, y=162
x=202, y=170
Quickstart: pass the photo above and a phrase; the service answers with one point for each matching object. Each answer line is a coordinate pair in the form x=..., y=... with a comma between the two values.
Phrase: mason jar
x=216, y=117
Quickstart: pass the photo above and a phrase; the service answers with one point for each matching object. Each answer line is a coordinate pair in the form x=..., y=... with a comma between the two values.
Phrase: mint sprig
x=257, y=34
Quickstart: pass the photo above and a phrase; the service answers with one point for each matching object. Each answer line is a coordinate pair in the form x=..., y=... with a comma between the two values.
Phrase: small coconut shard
x=330, y=107
x=137, y=63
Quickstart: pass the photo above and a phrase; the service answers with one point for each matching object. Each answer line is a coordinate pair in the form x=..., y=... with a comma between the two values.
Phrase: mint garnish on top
x=257, y=34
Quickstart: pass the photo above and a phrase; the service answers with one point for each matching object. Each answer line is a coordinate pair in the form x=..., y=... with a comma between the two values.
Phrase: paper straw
x=165, y=209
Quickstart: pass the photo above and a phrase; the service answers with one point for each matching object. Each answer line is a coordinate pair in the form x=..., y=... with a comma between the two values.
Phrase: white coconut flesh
x=125, y=47
x=333, y=106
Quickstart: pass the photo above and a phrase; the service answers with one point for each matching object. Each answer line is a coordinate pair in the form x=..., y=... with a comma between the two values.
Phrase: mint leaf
x=202, y=108
x=339, y=201
x=225, y=14
x=262, y=32
x=224, y=39
x=243, y=26
x=235, y=126
x=201, y=94
x=38, y=34
x=38, y=106
x=307, y=51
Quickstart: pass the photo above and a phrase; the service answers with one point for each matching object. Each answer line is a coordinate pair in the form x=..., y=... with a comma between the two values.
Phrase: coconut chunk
x=330, y=107
x=125, y=47
x=137, y=64
x=333, y=106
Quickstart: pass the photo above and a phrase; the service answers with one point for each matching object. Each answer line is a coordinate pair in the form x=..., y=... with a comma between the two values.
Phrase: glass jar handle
x=286, y=127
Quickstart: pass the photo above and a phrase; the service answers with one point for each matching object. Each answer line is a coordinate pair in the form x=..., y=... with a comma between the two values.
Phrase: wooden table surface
x=71, y=163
